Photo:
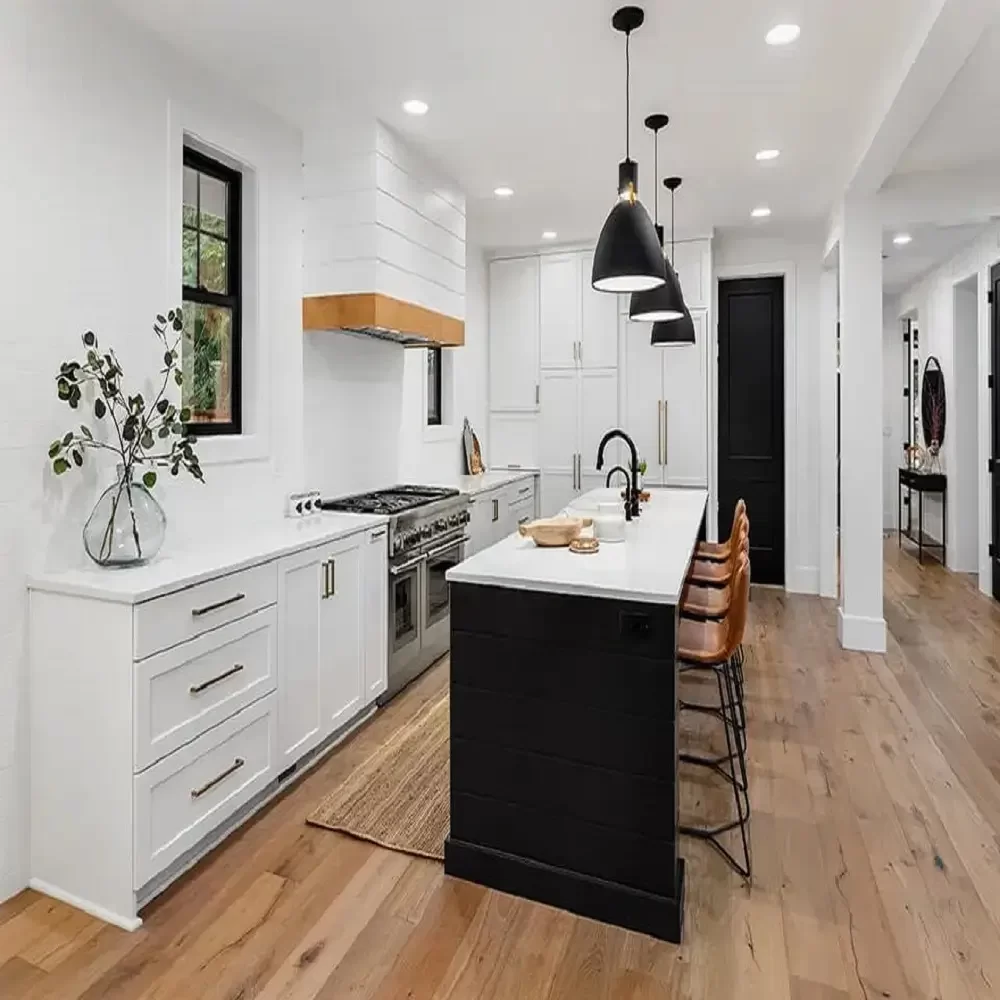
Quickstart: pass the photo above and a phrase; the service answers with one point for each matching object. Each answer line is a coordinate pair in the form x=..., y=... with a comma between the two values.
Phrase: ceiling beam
x=940, y=197
x=942, y=41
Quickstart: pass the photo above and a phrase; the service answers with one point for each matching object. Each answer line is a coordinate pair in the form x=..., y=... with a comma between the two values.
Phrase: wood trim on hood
x=374, y=311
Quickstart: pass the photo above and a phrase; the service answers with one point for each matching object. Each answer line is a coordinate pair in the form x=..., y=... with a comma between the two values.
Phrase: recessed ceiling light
x=415, y=107
x=761, y=212
x=549, y=234
x=901, y=239
x=769, y=154
x=503, y=191
x=782, y=34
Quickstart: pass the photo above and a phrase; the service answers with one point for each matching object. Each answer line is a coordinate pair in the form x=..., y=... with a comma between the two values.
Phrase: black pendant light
x=665, y=302
x=673, y=331
x=628, y=257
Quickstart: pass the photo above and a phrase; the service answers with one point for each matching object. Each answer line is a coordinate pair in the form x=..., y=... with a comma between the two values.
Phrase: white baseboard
x=803, y=580
x=125, y=923
x=866, y=635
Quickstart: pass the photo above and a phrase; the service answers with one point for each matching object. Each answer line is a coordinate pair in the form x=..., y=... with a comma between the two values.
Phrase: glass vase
x=126, y=526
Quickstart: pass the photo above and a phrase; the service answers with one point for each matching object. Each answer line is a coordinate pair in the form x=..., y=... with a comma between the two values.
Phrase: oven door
x=406, y=619
x=437, y=599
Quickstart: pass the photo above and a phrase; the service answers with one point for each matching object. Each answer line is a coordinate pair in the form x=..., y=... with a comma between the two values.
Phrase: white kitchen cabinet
x=578, y=407
x=599, y=330
x=342, y=667
x=513, y=440
x=693, y=265
x=514, y=333
x=666, y=404
x=560, y=303
x=375, y=611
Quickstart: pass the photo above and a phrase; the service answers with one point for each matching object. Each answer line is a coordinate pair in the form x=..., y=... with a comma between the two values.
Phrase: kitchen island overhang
x=564, y=721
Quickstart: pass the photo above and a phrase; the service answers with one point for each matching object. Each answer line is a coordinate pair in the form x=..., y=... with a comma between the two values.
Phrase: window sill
x=440, y=432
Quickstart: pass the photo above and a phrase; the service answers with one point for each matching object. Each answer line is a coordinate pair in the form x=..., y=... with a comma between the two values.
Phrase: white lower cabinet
x=158, y=724
x=496, y=513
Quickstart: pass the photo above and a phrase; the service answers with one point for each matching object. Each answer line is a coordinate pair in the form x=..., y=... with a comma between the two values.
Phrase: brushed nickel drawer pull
x=205, y=685
x=197, y=793
x=236, y=598
x=527, y=489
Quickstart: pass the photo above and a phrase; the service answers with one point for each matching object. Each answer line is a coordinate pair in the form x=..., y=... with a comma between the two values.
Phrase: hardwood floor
x=876, y=832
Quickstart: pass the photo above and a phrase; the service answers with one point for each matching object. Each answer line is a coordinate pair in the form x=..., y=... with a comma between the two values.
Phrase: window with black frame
x=433, y=386
x=210, y=349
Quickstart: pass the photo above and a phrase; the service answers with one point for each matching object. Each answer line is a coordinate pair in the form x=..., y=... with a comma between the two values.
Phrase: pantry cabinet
x=513, y=336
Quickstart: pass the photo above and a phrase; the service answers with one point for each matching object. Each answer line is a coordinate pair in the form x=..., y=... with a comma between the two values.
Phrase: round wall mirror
x=933, y=410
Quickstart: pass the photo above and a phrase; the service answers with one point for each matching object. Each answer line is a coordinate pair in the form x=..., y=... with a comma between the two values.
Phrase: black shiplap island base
x=564, y=721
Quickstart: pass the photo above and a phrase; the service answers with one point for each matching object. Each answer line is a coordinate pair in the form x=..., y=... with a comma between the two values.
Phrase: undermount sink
x=589, y=502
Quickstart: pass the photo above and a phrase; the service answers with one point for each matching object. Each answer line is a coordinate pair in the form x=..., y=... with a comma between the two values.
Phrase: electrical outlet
x=302, y=504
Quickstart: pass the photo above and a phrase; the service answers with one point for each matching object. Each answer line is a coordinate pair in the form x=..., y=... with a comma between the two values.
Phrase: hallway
x=876, y=795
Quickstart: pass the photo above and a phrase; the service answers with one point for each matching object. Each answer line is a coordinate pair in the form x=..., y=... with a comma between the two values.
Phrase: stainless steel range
x=426, y=538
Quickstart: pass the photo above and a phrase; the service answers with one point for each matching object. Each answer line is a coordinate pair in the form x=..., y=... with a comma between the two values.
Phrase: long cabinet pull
x=212, y=681
x=659, y=431
x=666, y=436
x=208, y=608
x=197, y=793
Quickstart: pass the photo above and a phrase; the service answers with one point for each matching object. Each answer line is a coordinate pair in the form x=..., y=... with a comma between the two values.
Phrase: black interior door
x=752, y=417
x=995, y=394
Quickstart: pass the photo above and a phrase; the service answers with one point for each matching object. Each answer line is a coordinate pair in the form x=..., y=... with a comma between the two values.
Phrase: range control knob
x=426, y=531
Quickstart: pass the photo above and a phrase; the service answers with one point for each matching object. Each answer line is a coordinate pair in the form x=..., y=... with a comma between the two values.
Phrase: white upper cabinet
x=599, y=336
x=560, y=310
x=559, y=430
x=692, y=261
x=598, y=415
x=643, y=392
x=514, y=334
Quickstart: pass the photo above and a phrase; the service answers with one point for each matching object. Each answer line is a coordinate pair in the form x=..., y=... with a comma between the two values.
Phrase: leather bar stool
x=711, y=646
x=721, y=551
x=708, y=572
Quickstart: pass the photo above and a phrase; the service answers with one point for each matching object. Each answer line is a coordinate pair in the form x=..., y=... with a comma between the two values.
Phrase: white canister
x=609, y=522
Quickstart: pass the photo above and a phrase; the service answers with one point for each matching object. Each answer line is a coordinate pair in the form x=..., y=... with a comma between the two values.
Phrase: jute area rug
x=398, y=798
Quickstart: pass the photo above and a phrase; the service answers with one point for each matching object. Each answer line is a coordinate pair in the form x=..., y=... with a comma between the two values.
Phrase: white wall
x=962, y=418
x=366, y=409
x=803, y=258
x=93, y=113
x=893, y=407
x=933, y=299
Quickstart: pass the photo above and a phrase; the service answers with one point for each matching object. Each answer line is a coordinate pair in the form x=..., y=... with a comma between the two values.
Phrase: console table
x=913, y=480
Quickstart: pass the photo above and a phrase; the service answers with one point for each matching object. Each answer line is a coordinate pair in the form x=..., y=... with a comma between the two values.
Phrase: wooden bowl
x=554, y=532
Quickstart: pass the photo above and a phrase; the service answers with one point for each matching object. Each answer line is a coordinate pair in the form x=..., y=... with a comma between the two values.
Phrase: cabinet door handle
x=579, y=350
x=197, y=793
x=659, y=431
x=208, y=608
x=379, y=534
x=666, y=437
x=212, y=681
x=538, y=394
x=333, y=577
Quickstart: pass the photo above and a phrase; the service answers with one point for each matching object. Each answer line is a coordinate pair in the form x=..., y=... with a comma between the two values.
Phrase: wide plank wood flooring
x=876, y=834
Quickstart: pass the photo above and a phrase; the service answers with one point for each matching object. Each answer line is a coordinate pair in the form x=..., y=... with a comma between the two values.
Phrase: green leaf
x=147, y=440
x=62, y=387
x=178, y=322
x=77, y=458
x=89, y=339
x=149, y=479
x=162, y=320
x=74, y=402
x=162, y=406
x=67, y=439
x=178, y=377
x=55, y=448
x=99, y=408
x=185, y=414
x=128, y=429
x=173, y=470
x=59, y=466
x=163, y=432
x=85, y=431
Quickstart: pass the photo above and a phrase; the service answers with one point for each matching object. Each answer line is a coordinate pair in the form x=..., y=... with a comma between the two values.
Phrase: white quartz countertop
x=491, y=480
x=649, y=566
x=176, y=569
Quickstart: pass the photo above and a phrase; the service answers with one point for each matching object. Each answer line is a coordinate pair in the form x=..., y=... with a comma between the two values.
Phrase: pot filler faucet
x=631, y=492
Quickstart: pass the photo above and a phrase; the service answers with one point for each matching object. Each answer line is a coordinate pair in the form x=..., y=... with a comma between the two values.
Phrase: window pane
x=190, y=258
x=214, y=196
x=213, y=264
x=190, y=197
x=207, y=363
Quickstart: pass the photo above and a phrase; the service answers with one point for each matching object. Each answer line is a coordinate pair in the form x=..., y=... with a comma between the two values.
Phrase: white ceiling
x=530, y=93
x=932, y=246
x=963, y=130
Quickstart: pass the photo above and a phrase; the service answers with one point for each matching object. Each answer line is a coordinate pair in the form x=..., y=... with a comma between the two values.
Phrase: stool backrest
x=736, y=619
x=739, y=512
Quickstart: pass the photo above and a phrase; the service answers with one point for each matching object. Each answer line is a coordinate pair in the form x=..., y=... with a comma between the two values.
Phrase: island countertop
x=649, y=566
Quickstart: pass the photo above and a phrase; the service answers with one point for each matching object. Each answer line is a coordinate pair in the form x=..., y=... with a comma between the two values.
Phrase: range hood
x=372, y=314
x=384, y=238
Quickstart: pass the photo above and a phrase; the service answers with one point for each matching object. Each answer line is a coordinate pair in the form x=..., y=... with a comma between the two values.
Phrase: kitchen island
x=564, y=719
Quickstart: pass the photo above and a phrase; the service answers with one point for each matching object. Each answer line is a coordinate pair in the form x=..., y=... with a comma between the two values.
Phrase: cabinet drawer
x=521, y=493
x=175, y=618
x=186, y=795
x=183, y=692
x=522, y=511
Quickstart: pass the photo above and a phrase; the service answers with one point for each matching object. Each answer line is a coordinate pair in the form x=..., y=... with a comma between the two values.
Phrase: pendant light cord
x=628, y=107
x=672, y=191
x=656, y=180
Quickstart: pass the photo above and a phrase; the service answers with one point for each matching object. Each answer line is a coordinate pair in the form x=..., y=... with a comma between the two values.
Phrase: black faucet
x=631, y=490
x=611, y=472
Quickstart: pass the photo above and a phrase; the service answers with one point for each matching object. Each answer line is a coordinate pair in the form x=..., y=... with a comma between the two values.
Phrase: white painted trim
x=803, y=580
x=108, y=916
x=867, y=635
x=826, y=359
x=785, y=269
